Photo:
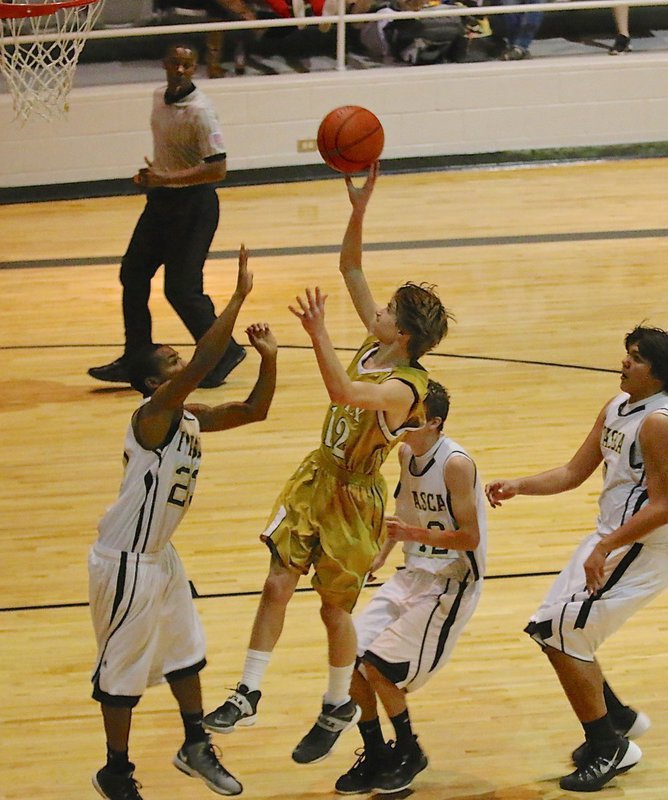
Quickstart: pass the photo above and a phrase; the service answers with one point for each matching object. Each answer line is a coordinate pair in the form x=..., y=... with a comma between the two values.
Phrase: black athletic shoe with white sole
x=360, y=778
x=331, y=723
x=199, y=760
x=641, y=724
x=240, y=709
x=602, y=769
x=404, y=765
x=117, y=786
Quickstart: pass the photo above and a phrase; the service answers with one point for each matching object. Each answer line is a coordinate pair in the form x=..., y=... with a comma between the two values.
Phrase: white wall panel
x=441, y=110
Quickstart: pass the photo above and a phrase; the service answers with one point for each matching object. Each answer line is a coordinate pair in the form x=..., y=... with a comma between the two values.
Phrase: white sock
x=255, y=666
x=338, y=688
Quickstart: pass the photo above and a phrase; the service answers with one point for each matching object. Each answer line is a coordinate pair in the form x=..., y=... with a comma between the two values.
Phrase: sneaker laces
x=131, y=790
x=136, y=786
x=592, y=771
x=394, y=756
x=361, y=759
x=240, y=700
x=212, y=753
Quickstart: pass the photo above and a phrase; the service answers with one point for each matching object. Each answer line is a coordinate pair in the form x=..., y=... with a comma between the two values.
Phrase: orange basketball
x=350, y=139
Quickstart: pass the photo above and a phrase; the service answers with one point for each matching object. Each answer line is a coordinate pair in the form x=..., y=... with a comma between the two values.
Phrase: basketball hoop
x=40, y=43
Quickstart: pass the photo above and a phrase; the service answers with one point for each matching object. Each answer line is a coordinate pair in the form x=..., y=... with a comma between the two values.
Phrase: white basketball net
x=40, y=73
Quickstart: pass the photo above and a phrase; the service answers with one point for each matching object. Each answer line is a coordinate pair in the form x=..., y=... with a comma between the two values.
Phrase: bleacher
x=287, y=50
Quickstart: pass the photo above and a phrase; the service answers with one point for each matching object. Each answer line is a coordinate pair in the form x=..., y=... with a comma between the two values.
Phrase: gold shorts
x=332, y=521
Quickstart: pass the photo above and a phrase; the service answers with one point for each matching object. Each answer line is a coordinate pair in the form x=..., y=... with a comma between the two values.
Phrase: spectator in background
x=225, y=11
x=373, y=37
x=622, y=42
x=516, y=31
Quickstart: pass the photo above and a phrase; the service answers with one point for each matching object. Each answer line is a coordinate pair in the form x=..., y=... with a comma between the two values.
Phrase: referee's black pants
x=176, y=229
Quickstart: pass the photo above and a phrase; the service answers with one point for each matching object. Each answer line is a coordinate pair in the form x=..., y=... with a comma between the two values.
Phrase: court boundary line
x=327, y=249
x=256, y=592
x=463, y=356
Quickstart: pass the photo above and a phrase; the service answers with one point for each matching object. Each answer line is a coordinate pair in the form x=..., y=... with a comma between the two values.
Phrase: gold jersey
x=358, y=440
x=330, y=512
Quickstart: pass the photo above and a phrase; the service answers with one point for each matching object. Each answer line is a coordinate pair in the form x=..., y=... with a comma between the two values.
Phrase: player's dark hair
x=422, y=316
x=653, y=347
x=142, y=365
x=437, y=402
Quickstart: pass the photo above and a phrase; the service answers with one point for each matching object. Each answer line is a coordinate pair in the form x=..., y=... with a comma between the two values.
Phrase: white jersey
x=422, y=499
x=625, y=482
x=184, y=132
x=156, y=491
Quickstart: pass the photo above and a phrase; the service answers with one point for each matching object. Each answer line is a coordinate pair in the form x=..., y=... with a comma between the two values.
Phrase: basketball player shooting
x=329, y=515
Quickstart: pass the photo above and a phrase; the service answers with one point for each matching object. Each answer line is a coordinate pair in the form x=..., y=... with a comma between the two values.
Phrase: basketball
x=350, y=139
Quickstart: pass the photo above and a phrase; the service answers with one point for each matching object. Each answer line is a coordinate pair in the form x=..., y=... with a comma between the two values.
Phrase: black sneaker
x=602, y=769
x=319, y=741
x=199, y=760
x=115, y=372
x=404, y=766
x=232, y=357
x=622, y=45
x=516, y=53
x=115, y=786
x=641, y=724
x=240, y=709
x=360, y=778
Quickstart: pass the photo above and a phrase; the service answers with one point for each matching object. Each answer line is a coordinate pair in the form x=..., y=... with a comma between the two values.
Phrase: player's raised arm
x=350, y=262
x=153, y=420
x=212, y=345
x=392, y=396
x=256, y=406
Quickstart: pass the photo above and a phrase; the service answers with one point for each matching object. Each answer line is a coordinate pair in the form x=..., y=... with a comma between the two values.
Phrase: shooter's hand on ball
x=359, y=196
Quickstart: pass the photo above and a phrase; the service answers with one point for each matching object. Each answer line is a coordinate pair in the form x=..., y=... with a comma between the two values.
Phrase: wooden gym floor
x=545, y=268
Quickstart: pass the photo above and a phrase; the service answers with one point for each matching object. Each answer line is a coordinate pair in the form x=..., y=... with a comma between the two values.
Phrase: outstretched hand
x=359, y=196
x=498, y=491
x=244, y=277
x=311, y=311
x=263, y=340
